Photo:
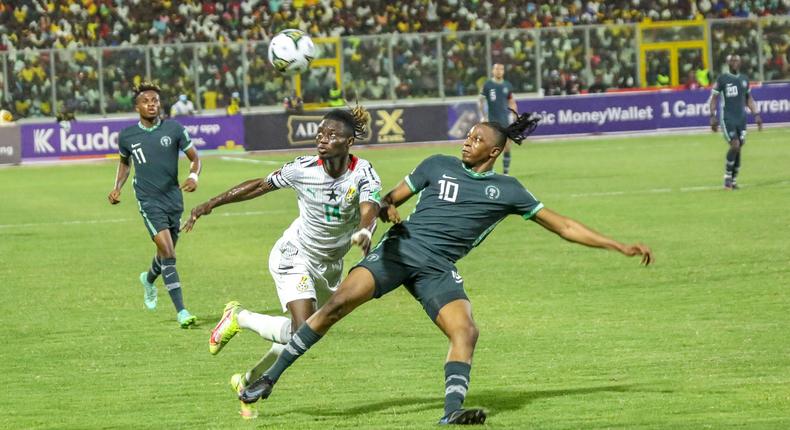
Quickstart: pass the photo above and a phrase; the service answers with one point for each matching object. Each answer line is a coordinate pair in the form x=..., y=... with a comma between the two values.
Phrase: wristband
x=193, y=176
x=361, y=232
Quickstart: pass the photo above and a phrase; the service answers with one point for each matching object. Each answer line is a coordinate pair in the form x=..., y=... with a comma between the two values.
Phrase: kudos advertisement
x=99, y=138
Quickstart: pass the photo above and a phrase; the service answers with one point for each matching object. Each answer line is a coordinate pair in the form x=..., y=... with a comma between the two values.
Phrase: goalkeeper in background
x=496, y=104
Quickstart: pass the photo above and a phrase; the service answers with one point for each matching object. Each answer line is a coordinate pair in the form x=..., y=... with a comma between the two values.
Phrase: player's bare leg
x=167, y=256
x=455, y=320
x=355, y=290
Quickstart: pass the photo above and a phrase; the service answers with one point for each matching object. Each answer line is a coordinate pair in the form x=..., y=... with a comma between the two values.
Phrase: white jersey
x=328, y=207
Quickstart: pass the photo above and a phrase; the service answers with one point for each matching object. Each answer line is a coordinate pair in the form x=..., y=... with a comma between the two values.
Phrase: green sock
x=456, y=382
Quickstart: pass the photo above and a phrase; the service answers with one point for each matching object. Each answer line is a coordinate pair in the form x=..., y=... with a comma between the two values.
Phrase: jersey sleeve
x=524, y=203
x=123, y=148
x=284, y=176
x=369, y=185
x=484, y=90
x=509, y=90
x=717, y=86
x=420, y=177
x=184, y=141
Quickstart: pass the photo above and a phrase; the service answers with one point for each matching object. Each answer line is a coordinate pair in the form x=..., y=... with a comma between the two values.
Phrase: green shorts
x=433, y=287
x=157, y=219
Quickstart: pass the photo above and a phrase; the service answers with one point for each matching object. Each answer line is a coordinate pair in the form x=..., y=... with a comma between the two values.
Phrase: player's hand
x=362, y=239
x=197, y=212
x=114, y=197
x=759, y=120
x=639, y=249
x=714, y=124
x=389, y=213
x=189, y=185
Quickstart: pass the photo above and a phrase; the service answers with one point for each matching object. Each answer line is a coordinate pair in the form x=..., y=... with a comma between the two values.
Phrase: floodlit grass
x=571, y=338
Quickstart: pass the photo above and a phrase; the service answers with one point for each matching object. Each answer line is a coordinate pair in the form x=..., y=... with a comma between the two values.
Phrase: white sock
x=265, y=362
x=274, y=329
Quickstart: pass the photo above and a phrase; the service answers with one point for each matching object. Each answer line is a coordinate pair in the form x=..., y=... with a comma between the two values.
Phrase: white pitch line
x=122, y=220
x=249, y=160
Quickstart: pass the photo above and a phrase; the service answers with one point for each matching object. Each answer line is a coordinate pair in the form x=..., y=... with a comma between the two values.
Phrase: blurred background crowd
x=139, y=37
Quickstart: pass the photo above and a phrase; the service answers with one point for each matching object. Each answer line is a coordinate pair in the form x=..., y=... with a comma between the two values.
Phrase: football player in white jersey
x=338, y=196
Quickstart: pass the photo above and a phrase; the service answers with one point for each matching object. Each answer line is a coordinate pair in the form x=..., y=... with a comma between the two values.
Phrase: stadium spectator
x=598, y=85
x=182, y=107
x=234, y=107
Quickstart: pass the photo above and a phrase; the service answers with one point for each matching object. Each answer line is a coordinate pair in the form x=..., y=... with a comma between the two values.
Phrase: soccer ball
x=291, y=51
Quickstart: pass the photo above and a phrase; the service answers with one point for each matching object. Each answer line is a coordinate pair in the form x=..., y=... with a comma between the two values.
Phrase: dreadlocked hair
x=519, y=129
x=356, y=119
x=145, y=86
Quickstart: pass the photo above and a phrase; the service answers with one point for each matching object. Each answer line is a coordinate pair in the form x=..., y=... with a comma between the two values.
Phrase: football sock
x=154, y=271
x=456, y=382
x=506, y=162
x=729, y=167
x=266, y=361
x=274, y=329
x=300, y=342
x=172, y=283
x=736, y=167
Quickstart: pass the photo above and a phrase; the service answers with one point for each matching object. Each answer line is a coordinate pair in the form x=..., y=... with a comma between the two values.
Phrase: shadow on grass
x=495, y=401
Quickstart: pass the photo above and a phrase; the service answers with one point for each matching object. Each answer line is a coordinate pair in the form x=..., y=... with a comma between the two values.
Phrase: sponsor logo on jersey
x=492, y=192
x=457, y=278
x=165, y=141
x=373, y=257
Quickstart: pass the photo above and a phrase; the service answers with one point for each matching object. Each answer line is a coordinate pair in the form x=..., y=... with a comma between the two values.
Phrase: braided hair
x=518, y=130
x=356, y=119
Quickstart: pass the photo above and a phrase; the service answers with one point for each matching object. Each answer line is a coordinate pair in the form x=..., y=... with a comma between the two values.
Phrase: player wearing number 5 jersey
x=153, y=145
x=460, y=202
x=338, y=196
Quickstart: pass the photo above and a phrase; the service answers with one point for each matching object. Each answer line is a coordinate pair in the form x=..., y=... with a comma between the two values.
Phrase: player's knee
x=467, y=333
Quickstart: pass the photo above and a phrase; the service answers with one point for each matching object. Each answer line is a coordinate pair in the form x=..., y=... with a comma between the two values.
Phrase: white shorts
x=298, y=275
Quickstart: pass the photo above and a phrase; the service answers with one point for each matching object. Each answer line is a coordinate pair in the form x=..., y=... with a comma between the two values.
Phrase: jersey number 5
x=138, y=154
x=448, y=191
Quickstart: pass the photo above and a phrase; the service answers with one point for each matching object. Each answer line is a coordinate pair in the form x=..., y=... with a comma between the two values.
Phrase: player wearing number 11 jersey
x=460, y=202
x=153, y=145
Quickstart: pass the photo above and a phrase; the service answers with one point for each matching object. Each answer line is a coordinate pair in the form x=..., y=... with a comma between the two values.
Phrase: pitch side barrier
x=562, y=116
x=98, y=138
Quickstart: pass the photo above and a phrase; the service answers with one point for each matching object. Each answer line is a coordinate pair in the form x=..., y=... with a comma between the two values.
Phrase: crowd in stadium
x=116, y=23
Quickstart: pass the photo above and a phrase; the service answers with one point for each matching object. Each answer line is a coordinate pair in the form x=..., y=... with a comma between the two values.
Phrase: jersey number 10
x=448, y=191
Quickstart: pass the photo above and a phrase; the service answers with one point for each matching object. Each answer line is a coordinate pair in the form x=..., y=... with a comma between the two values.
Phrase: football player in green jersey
x=461, y=201
x=734, y=89
x=153, y=144
x=496, y=104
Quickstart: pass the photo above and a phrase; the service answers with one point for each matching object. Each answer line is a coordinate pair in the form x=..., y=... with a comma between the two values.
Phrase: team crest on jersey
x=303, y=284
x=350, y=194
x=165, y=141
x=373, y=257
x=492, y=192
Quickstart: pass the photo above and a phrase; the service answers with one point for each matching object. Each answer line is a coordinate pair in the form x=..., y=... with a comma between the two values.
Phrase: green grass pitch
x=571, y=338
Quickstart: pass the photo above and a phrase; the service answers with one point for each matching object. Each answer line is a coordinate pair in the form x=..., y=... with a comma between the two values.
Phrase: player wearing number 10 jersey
x=460, y=202
x=153, y=145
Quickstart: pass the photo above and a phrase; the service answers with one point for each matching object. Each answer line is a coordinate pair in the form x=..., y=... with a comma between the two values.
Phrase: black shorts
x=734, y=130
x=433, y=287
x=157, y=219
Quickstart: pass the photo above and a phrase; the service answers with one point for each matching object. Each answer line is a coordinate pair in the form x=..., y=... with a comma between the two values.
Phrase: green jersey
x=154, y=152
x=497, y=95
x=734, y=91
x=457, y=209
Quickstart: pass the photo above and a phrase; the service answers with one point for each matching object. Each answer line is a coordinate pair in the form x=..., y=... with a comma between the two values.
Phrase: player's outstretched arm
x=392, y=200
x=574, y=231
x=244, y=191
x=195, y=166
x=753, y=107
x=120, y=178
